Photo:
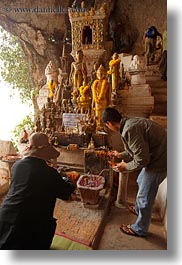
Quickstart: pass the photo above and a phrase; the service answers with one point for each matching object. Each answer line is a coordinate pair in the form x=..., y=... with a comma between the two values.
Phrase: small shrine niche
x=89, y=28
x=87, y=35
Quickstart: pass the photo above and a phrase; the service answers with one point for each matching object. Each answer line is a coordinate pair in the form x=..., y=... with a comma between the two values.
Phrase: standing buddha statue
x=78, y=72
x=114, y=66
x=51, y=73
x=101, y=95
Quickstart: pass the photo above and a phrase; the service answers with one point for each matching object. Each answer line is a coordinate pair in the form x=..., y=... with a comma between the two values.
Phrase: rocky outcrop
x=41, y=28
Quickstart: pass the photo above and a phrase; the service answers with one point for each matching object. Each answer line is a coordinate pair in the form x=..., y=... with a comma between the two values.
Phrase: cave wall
x=135, y=17
x=41, y=34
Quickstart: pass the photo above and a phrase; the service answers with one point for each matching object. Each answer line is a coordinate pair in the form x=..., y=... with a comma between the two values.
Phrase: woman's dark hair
x=111, y=114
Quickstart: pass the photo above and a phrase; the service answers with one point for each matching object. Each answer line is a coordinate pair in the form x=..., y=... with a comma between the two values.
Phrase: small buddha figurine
x=74, y=98
x=91, y=144
x=61, y=86
x=56, y=142
x=101, y=94
x=114, y=66
x=48, y=104
x=136, y=64
x=38, y=125
x=24, y=136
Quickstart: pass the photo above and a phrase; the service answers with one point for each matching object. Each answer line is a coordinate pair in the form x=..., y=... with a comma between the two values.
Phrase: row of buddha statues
x=78, y=72
x=77, y=93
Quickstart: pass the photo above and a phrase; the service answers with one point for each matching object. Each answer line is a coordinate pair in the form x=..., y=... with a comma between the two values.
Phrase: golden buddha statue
x=101, y=95
x=85, y=97
x=51, y=85
x=114, y=66
x=51, y=73
x=78, y=72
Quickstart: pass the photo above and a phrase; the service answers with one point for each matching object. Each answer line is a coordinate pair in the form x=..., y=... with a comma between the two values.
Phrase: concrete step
x=158, y=90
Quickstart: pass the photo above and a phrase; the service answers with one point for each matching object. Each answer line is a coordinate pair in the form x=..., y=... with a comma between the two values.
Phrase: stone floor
x=113, y=239
x=99, y=228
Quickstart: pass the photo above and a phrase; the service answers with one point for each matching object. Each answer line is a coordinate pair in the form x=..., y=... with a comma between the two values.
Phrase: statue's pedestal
x=138, y=77
x=139, y=90
x=136, y=101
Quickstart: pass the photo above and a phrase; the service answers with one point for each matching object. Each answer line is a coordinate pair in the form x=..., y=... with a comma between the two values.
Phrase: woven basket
x=90, y=187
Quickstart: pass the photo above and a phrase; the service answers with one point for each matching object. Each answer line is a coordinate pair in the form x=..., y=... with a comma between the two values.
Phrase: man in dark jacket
x=145, y=144
x=26, y=214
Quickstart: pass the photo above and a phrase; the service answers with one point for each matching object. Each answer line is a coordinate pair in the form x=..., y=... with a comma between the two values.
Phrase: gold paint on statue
x=101, y=94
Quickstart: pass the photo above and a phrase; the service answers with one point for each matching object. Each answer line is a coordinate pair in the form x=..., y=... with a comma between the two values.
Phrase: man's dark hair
x=111, y=114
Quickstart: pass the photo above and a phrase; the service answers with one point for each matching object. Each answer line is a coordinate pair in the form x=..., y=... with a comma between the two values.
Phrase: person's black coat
x=26, y=214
